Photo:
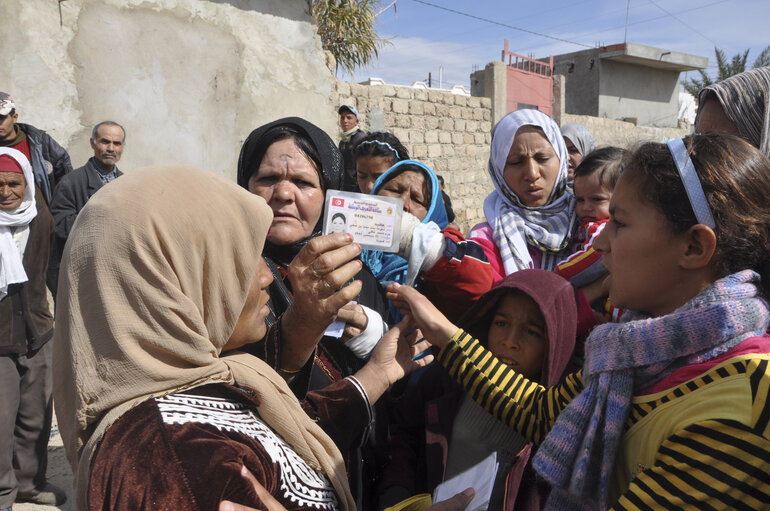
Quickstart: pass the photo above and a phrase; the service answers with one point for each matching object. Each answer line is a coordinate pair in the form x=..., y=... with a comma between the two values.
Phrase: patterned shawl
x=745, y=98
x=514, y=225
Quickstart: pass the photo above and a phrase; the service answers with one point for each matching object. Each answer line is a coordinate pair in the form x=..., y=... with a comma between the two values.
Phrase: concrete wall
x=448, y=132
x=581, y=81
x=491, y=82
x=649, y=94
x=189, y=79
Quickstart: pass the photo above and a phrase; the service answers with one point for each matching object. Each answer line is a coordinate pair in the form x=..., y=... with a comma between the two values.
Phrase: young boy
x=595, y=179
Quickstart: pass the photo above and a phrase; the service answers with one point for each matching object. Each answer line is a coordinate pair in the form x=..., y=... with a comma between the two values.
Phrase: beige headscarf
x=154, y=276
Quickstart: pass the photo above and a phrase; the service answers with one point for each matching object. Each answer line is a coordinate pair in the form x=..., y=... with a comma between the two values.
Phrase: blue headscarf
x=389, y=266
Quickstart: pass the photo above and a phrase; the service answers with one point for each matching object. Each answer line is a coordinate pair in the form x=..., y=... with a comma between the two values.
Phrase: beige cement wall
x=608, y=132
x=189, y=79
x=448, y=132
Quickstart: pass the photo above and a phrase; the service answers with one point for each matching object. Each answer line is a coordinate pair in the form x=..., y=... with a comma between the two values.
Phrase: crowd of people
x=603, y=333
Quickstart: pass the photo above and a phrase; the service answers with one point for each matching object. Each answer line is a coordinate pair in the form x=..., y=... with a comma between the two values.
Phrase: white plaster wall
x=189, y=79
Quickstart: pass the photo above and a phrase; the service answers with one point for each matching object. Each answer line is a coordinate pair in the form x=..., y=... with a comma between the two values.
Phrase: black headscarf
x=330, y=172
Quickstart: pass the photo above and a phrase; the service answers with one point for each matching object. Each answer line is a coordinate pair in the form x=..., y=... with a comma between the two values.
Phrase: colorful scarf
x=393, y=267
x=387, y=266
x=578, y=456
x=514, y=225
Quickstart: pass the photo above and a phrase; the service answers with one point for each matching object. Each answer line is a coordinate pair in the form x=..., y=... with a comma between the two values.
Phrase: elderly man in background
x=350, y=135
x=107, y=140
x=50, y=161
x=26, y=328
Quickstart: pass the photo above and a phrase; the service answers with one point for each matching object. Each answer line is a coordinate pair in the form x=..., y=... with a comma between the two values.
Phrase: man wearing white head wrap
x=26, y=326
x=528, y=225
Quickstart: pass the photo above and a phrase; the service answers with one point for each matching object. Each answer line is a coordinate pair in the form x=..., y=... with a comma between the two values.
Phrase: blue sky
x=425, y=38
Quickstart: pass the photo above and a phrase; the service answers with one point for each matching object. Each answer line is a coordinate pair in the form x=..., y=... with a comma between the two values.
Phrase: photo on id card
x=372, y=220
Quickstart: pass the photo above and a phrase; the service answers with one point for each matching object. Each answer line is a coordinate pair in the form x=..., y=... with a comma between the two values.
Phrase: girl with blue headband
x=670, y=408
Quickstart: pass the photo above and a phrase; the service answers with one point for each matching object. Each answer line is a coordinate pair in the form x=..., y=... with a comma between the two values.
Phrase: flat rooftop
x=649, y=56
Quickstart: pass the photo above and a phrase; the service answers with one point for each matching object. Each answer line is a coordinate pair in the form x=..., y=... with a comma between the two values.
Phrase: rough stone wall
x=189, y=79
x=608, y=132
x=450, y=133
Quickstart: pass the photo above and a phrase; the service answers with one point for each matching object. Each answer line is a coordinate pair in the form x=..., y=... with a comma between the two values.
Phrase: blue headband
x=381, y=143
x=692, y=185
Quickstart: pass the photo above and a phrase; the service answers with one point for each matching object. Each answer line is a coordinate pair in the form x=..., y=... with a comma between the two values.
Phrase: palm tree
x=346, y=28
x=726, y=68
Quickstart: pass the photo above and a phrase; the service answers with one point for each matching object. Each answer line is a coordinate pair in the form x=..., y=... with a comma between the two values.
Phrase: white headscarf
x=11, y=266
x=580, y=136
x=515, y=225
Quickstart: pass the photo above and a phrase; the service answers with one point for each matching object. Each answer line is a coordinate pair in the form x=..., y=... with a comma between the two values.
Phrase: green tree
x=725, y=69
x=346, y=28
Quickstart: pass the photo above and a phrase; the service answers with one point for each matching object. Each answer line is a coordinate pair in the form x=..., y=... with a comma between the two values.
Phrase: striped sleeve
x=525, y=406
x=584, y=265
x=711, y=465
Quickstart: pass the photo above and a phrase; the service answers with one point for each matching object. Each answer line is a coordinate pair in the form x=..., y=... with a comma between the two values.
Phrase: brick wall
x=448, y=132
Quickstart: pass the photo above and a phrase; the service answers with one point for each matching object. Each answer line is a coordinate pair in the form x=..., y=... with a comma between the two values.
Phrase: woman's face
x=410, y=186
x=289, y=182
x=574, y=158
x=532, y=167
x=640, y=254
x=250, y=326
x=368, y=169
x=517, y=334
x=12, y=186
x=712, y=119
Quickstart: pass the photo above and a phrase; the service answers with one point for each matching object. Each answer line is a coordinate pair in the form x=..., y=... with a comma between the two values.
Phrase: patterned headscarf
x=549, y=227
x=746, y=101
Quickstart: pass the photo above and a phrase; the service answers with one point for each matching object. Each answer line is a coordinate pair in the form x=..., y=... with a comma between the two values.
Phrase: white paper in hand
x=335, y=329
x=480, y=477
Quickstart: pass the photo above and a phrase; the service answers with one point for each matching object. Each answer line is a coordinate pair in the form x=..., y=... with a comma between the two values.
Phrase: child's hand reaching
x=436, y=328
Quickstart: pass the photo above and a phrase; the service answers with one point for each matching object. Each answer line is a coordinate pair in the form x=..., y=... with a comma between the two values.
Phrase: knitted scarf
x=578, y=455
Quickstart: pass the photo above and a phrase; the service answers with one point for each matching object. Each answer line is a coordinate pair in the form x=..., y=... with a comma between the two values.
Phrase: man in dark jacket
x=107, y=140
x=350, y=135
x=50, y=161
x=26, y=329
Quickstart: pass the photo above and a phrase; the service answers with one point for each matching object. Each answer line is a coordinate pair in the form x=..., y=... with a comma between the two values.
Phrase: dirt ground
x=59, y=473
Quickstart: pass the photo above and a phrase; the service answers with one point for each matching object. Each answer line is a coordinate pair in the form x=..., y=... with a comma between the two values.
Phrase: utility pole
x=625, y=34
